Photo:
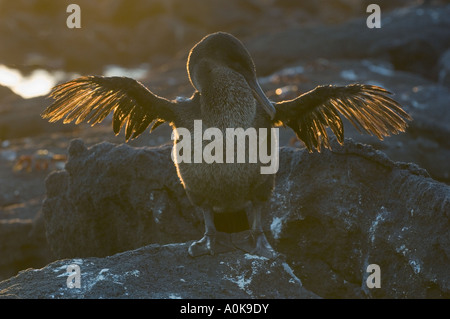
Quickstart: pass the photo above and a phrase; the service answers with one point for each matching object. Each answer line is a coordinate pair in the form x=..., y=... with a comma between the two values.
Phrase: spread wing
x=92, y=98
x=369, y=108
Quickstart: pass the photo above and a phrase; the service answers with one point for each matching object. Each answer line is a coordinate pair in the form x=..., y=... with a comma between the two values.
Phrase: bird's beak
x=262, y=98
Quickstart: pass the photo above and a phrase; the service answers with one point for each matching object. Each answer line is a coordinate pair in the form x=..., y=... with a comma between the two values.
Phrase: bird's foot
x=262, y=247
x=204, y=246
x=211, y=244
x=256, y=243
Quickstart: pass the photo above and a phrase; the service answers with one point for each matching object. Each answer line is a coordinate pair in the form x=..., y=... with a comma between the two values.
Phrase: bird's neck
x=228, y=102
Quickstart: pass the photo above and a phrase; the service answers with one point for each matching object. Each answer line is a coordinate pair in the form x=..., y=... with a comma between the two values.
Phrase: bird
x=227, y=95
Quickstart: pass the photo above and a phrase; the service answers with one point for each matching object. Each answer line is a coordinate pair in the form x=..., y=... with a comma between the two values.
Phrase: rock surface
x=408, y=56
x=160, y=272
x=22, y=244
x=132, y=33
x=335, y=213
x=412, y=39
x=332, y=215
x=147, y=206
x=444, y=69
x=16, y=113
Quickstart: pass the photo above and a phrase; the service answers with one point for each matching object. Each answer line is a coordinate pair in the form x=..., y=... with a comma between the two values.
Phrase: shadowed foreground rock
x=335, y=213
x=22, y=242
x=161, y=272
x=332, y=215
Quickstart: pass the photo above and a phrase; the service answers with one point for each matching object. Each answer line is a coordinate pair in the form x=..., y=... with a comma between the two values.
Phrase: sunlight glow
x=9, y=77
x=134, y=73
x=38, y=83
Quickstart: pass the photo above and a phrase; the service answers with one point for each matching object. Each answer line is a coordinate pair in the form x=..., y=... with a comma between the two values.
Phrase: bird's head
x=222, y=50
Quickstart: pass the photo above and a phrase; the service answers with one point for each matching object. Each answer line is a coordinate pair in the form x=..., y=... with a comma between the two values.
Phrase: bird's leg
x=262, y=246
x=205, y=245
x=256, y=242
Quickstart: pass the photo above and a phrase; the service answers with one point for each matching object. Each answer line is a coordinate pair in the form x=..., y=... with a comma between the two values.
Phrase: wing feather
x=368, y=108
x=92, y=98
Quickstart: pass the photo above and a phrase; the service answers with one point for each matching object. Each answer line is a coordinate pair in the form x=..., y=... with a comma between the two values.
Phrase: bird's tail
x=232, y=222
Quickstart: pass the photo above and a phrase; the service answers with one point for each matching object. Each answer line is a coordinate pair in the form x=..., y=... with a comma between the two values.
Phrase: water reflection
x=138, y=73
x=40, y=81
x=37, y=83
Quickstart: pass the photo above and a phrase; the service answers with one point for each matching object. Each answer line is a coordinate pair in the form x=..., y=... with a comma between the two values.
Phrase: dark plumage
x=227, y=96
